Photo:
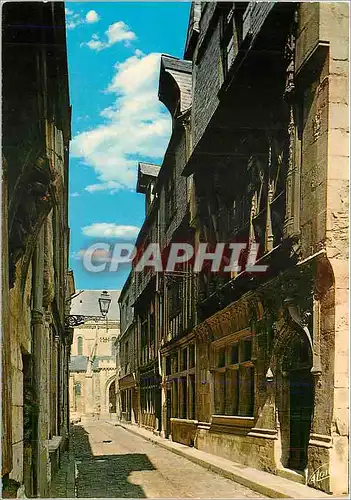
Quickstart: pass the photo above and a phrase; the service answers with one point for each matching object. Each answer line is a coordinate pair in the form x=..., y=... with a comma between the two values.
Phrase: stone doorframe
x=289, y=326
x=105, y=407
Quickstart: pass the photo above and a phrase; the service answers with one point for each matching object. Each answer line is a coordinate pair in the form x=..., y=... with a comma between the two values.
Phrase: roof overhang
x=175, y=84
x=146, y=173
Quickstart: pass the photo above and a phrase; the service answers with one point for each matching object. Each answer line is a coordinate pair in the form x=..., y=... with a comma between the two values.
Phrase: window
x=234, y=350
x=234, y=379
x=80, y=346
x=175, y=363
x=191, y=355
x=78, y=389
x=181, y=364
x=174, y=299
x=183, y=398
x=221, y=358
x=113, y=346
x=184, y=360
x=175, y=398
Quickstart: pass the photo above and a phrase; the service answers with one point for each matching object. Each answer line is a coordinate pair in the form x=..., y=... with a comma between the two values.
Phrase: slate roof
x=181, y=72
x=176, y=64
x=145, y=171
x=86, y=304
x=79, y=363
x=149, y=169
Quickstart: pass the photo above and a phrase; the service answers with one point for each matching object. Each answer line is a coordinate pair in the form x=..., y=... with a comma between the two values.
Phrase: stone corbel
x=49, y=318
x=301, y=321
x=37, y=317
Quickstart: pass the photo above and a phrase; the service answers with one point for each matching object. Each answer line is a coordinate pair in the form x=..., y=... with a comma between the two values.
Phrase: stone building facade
x=253, y=366
x=92, y=368
x=146, y=307
x=127, y=358
x=35, y=238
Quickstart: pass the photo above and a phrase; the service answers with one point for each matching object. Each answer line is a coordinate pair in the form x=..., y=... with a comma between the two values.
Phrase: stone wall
x=37, y=196
x=249, y=451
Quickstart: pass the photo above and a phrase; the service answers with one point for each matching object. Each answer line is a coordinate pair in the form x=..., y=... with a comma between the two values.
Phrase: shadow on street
x=106, y=476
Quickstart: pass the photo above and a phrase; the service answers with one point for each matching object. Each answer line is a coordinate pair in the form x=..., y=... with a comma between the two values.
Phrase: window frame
x=243, y=393
x=80, y=345
x=183, y=382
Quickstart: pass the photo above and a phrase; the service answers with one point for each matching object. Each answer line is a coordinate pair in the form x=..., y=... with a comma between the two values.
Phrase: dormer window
x=231, y=32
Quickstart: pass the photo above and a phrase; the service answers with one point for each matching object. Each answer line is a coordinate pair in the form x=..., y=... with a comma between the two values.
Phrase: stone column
x=41, y=432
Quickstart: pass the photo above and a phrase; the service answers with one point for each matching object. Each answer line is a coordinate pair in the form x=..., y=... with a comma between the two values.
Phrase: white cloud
x=92, y=16
x=75, y=19
x=106, y=230
x=73, y=24
x=136, y=126
x=95, y=45
x=75, y=194
x=111, y=186
x=116, y=32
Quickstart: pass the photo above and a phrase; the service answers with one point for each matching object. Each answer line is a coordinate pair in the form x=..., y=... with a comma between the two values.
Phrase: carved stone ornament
x=72, y=321
x=290, y=70
x=36, y=194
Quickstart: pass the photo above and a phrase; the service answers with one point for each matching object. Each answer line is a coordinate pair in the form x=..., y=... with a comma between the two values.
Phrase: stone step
x=292, y=475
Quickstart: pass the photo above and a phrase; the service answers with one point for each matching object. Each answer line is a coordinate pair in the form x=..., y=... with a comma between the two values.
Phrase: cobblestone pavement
x=111, y=462
x=62, y=485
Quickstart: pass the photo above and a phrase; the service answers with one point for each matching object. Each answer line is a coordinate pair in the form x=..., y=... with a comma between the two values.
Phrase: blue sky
x=113, y=57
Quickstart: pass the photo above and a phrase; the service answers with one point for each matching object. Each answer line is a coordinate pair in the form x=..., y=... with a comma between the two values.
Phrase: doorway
x=168, y=412
x=300, y=398
x=112, y=398
x=301, y=408
x=158, y=408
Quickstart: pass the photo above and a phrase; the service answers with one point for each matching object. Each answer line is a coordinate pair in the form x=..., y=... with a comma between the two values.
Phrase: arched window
x=78, y=389
x=80, y=346
x=113, y=346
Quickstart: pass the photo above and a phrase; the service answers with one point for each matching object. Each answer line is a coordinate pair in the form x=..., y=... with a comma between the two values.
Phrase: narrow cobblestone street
x=111, y=462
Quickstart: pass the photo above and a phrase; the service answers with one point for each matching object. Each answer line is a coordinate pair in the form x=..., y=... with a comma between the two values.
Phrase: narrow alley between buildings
x=175, y=249
x=110, y=462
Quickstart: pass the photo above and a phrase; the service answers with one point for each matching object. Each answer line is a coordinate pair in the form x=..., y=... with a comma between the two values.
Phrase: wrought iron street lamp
x=104, y=303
